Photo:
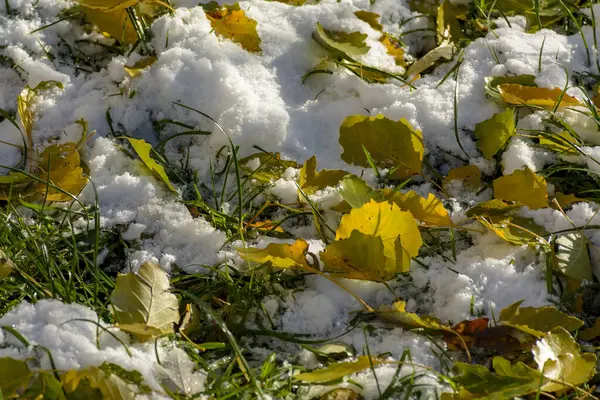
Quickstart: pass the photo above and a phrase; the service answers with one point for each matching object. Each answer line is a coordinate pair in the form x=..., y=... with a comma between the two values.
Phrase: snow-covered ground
x=260, y=99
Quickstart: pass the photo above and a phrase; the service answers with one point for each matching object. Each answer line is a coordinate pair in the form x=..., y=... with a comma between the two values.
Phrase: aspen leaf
x=430, y=211
x=370, y=18
x=59, y=164
x=537, y=320
x=15, y=376
x=535, y=96
x=137, y=68
x=492, y=83
x=270, y=166
x=341, y=45
x=109, y=5
x=566, y=199
x=560, y=358
x=522, y=186
x=424, y=6
x=573, y=259
x=590, y=333
x=25, y=101
x=115, y=22
x=493, y=133
x=447, y=26
x=469, y=174
x=143, y=150
x=280, y=255
x=444, y=52
x=393, y=48
x=232, y=23
x=311, y=180
x=515, y=229
x=397, y=313
x=392, y=144
x=356, y=192
x=562, y=142
x=111, y=386
x=385, y=220
x=144, y=299
x=338, y=370
x=493, y=209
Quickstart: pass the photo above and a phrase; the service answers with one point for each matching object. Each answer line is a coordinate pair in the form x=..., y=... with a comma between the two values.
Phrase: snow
x=260, y=99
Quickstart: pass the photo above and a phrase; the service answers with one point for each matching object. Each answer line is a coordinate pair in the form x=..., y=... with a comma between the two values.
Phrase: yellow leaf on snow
x=397, y=313
x=311, y=180
x=109, y=5
x=392, y=144
x=538, y=320
x=231, y=22
x=393, y=48
x=469, y=174
x=115, y=22
x=566, y=199
x=60, y=166
x=338, y=370
x=522, y=186
x=370, y=18
x=137, y=68
x=385, y=220
x=513, y=93
x=280, y=255
x=143, y=150
x=430, y=211
x=561, y=142
x=493, y=133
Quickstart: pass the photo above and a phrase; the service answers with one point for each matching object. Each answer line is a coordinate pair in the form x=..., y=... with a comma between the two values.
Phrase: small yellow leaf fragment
x=392, y=144
x=311, y=180
x=566, y=199
x=522, y=186
x=370, y=18
x=397, y=313
x=469, y=174
x=137, y=68
x=280, y=255
x=232, y=23
x=143, y=150
x=590, y=333
x=430, y=211
x=516, y=94
x=393, y=48
x=338, y=371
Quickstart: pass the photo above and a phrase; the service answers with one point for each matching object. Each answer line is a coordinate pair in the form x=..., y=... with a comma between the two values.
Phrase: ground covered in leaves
x=356, y=199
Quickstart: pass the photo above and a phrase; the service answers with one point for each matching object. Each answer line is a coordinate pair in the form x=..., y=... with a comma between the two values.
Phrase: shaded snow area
x=260, y=100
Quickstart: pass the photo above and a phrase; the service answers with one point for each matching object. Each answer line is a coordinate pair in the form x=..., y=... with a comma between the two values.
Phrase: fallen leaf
x=15, y=376
x=370, y=18
x=6, y=265
x=535, y=96
x=393, y=48
x=447, y=25
x=357, y=193
x=341, y=45
x=397, y=313
x=60, y=165
x=469, y=174
x=145, y=299
x=338, y=370
x=392, y=144
x=115, y=23
x=493, y=209
x=538, y=320
x=515, y=229
x=430, y=211
x=444, y=52
x=492, y=83
x=109, y=5
x=566, y=199
x=522, y=186
x=573, y=259
x=280, y=255
x=562, y=142
x=270, y=166
x=590, y=333
x=143, y=150
x=341, y=394
x=311, y=180
x=111, y=386
x=137, y=68
x=493, y=133
x=231, y=22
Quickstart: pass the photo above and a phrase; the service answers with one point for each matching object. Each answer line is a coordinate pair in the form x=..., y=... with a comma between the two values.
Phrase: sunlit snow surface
x=260, y=100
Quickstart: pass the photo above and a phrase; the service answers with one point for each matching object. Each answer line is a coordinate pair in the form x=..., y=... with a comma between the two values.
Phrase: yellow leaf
x=493, y=133
x=385, y=220
x=515, y=230
x=311, y=180
x=393, y=48
x=338, y=371
x=370, y=18
x=396, y=313
x=143, y=151
x=430, y=211
x=513, y=93
x=280, y=255
x=137, y=68
x=392, y=144
x=448, y=28
x=341, y=45
x=6, y=265
x=538, y=320
x=114, y=22
x=444, y=52
x=111, y=386
x=562, y=142
x=590, y=333
x=108, y=5
x=60, y=166
x=230, y=22
x=469, y=174
x=566, y=199
x=522, y=186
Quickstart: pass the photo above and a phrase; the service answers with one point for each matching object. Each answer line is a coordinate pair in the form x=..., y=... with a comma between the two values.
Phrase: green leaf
x=46, y=385
x=15, y=376
x=356, y=192
x=538, y=320
x=337, y=371
x=311, y=180
x=341, y=45
x=143, y=150
x=144, y=298
x=494, y=133
x=560, y=358
x=392, y=144
x=573, y=257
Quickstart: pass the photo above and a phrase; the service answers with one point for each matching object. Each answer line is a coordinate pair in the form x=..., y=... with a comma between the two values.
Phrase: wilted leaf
x=538, y=320
x=144, y=299
x=370, y=18
x=341, y=394
x=573, y=257
x=137, y=68
x=270, y=166
x=392, y=144
x=469, y=174
x=430, y=211
x=356, y=192
x=341, y=45
x=393, y=48
x=15, y=376
x=232, y=23
x=522, y=186
x=590, y=333
x=311, y=180
x=493, y=133
x=396, y=313
x=447, y=26
x=59, y=164
x=534, y=96
x=562, y=142
x=515, y=230
x=337, y=371
x=143, y=150
x=111, y=386
x=280, y=255
x=559, y=358
x=443, y=52
x=468, y=332
x=6, y=265
x=385, y=220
